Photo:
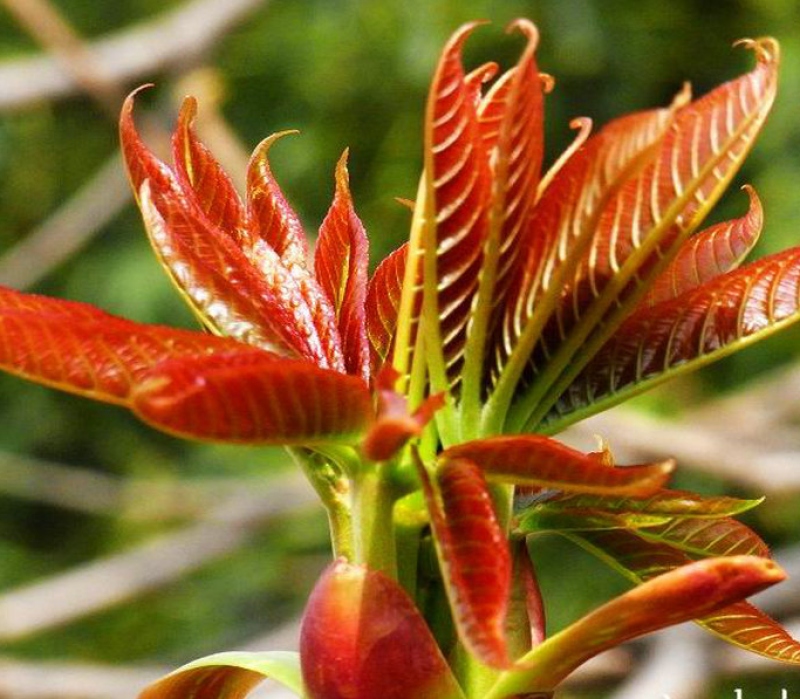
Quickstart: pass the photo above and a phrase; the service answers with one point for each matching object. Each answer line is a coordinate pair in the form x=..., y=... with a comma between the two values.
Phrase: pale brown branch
x=176, y=38
x=111, y=581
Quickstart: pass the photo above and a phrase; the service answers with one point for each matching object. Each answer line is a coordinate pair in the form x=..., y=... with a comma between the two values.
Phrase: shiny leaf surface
x=693, y=590
x=254, y=397
x=533, y=460
x=383, y=303
x=458, y=194
x=708, y=254
x=200, y=175
x=473, y=555
x=81, y=349
x=221, y=284
x=740, y=624
x=340, y=263
x=228, y=676
x=693, y=329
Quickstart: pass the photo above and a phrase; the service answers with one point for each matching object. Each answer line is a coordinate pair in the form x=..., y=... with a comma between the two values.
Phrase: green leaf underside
x=228, y=676
x=678, y=595
x=741, y=624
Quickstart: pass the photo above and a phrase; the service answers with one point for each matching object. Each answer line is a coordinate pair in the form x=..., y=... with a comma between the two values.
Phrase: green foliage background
x=351, y=73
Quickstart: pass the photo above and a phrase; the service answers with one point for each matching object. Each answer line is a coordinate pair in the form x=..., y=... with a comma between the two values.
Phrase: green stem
x=334, y=491
x=373, y=501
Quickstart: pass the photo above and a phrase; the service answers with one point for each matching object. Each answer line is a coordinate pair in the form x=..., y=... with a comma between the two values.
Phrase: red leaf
x=459, y=188
x=741, y=623
x=691, y=591
x=708, y=254
x=340, y=263
x=534, y=460
x=696, y=327
x=274, y=231
x=223, y=286
x=363, y=638
x=202, y=178
x=269, y=216
x=394, y=424
x=492, y=109
x=382, y=304
x=81, y=349
x=141, y=163
x=254, y=397
x=473, y=555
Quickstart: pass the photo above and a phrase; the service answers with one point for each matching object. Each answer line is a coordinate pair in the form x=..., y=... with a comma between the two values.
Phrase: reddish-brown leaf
x=517, y=161
x=139, y=160
x=693, y=329
x=382, y=304
x=275, y=240
x=81, y=349
x=254, y=397
x=564, y=219
x=492, y=108
x=269, y=216
x=202, y=178
x=534, y=460
x=473, y=555
x=226, y=290
x=694, y=590
x=459, y=183
x=741, y=623
x=642, y=227
x=708, y=254
x=340, y=264
x=363, y=638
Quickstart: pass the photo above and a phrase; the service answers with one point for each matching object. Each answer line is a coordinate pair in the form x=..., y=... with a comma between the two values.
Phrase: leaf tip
x=766, y=48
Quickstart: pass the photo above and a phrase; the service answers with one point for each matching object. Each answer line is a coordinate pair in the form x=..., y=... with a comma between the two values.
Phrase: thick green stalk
x=373, y=499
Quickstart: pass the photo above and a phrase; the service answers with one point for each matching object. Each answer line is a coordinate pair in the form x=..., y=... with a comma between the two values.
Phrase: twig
x=179, y=37
x=111, y=581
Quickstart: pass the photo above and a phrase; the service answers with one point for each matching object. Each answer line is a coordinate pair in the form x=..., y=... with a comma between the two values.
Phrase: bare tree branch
x=176, y=38
x=111, y=581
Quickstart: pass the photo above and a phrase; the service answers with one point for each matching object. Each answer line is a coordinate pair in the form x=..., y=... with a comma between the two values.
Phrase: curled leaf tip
x=261, y=150
x=482, y=74
x=683, y=97
x=548, y=82
x=767, y=49
x=460, y=35
x=526, y=27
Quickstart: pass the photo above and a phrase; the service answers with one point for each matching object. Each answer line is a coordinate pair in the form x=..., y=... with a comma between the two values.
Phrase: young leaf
x=270, y=218
x=691, y=591
x=492, y=109
x=140, y=162
x=223, y=286
x=383, y=303
x=363, y=638
x=741, y=623
x=533, y=460
x=253, y=397
x=644, y=225
x=340, y=263
x=81, y=349
x=542, y=518
x=670, y=503
x=708, y=254
x=458, y=188
x=228, y=676
x=202, y=178
x=275, y=240
x=684, y=333
x=473, y=555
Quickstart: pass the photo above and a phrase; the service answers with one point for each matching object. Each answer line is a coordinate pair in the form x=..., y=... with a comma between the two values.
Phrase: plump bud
x=363, y=638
